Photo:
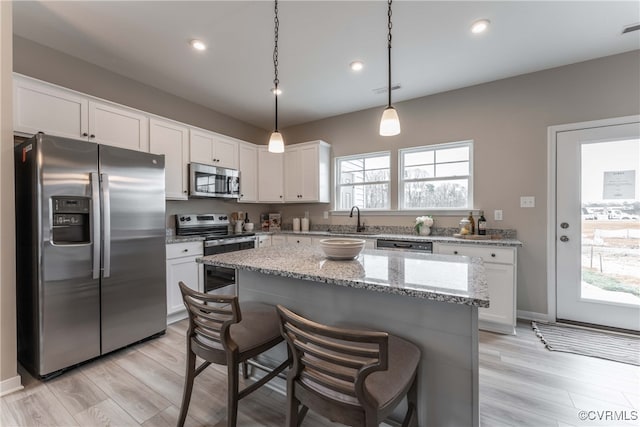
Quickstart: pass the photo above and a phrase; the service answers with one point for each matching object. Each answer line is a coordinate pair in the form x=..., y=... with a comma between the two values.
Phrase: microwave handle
x=229, y=185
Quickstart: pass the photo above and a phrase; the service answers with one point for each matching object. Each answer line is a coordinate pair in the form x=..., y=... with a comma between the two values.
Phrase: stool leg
x=188, y=386
x=411, y=419
x=245, y=370
x=292, y=407
x=232, y=394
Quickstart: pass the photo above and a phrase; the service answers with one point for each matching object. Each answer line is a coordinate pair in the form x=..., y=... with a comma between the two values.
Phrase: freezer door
x=68, y=293
x=133, y=288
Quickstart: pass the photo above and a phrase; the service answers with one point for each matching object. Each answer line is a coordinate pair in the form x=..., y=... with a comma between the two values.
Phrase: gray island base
x=431, y=300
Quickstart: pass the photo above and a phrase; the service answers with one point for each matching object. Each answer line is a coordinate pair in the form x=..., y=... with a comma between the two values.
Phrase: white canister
x=296, y=224
x=305, y=224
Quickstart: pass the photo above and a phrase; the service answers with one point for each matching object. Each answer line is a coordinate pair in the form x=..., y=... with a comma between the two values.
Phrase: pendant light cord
x=390, y=25
x=276, y=81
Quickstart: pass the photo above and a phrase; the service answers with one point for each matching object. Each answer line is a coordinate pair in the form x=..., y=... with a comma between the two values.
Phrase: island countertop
x=451, y=279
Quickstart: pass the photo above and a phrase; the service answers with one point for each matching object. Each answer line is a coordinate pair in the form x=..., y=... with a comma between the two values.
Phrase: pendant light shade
x=276, y=143
x=390, y=122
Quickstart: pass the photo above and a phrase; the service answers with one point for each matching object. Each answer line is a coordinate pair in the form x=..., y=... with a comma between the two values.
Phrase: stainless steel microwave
x=213, y=181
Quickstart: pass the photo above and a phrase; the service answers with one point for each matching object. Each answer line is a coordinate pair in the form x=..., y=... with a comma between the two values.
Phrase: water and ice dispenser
x=71, y=222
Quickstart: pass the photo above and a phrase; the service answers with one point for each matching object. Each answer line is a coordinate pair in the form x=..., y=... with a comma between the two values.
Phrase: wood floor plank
x=169, y=418
x=140, y=401
x=76, y=392
x=104, y=414
x=40, y=408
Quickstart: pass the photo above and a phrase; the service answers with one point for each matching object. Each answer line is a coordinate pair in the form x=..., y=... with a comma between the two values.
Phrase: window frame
x=435, y=147
x=337, y=185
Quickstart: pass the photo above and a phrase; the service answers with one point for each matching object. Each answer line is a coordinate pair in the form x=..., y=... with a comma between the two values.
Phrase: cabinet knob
x=242, y=195
x=185, y=191
x=455, y=252
x=493, y=255
x=85, y=134
x=185, y=250
x=92, y=136
x=281, y=196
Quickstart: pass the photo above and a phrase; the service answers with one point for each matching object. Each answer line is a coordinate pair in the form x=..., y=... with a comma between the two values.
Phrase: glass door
x=598, y=226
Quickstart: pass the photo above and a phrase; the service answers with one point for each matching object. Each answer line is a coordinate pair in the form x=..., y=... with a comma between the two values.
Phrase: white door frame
x=552, y=132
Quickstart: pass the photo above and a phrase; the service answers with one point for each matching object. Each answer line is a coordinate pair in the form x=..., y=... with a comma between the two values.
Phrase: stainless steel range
x=217, y=239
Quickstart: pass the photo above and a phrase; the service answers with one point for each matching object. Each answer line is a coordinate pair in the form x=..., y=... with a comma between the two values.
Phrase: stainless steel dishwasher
x=404, y=245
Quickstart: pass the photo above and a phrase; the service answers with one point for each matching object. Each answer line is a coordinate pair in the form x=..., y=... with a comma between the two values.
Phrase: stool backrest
x=210, y=317
x=333, y=361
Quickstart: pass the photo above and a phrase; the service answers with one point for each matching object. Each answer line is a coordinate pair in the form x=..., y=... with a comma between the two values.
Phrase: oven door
x=222, y=280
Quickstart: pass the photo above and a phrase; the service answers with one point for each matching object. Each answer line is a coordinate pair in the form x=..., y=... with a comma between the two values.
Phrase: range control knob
x=188, y=218
x=222, y=218
x=181, y=218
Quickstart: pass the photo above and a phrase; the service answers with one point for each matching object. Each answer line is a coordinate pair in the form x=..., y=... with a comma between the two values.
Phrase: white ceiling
x=433, y=49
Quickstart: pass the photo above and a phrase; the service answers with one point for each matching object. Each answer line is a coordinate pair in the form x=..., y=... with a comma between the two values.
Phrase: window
x=363, y=181
x=436, y=176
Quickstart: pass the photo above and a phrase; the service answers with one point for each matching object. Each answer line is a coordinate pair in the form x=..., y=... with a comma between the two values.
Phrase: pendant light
x=276, y=142
x=390, y=123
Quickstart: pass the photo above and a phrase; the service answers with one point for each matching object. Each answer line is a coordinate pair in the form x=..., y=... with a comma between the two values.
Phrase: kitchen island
x=431, y=300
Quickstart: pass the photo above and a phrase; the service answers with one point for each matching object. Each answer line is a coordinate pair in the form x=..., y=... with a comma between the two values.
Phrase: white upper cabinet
x=172, y=140
x=40, y=107
x=118, y=126
x=270, y=175
x=213, y=149
x=306, y=172
x=248, y=166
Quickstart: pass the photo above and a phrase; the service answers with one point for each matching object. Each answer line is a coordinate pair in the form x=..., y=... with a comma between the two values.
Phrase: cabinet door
x=225, y=152
x=270, y=185
x=299, y=240
x=308, y=173
x=39, y=107
x=201, y=147
x=118, y=127
x=171, y=140
x=292, y=175
x=248, y=162
x=278, y=240
x=500, y=278
x=264, y=241
x=186, y=270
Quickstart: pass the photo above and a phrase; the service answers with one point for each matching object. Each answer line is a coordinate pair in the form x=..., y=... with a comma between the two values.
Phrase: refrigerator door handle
x=106, y=224
x=95, y=219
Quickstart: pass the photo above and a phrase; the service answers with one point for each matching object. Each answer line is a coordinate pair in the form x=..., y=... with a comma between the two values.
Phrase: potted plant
x=423, y=225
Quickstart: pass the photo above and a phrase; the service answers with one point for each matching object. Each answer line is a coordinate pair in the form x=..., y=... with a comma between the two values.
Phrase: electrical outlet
x=325, y=214
x=497, y=215
x=527, y=202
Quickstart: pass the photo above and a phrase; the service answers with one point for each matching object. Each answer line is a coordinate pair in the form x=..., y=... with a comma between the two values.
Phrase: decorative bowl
x=342, y=247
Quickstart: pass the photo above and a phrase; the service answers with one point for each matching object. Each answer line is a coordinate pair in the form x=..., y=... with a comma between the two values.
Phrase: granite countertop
x=410, y=237
x=184, y=239
x=451, y=279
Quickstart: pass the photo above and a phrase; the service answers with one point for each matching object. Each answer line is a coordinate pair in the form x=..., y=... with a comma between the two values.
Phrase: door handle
x=95, y=220
x=564, y=239
x=106, y=224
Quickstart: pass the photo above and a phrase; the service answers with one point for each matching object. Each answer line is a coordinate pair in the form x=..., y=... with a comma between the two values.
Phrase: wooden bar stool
x=225, y=332
x=354, y=377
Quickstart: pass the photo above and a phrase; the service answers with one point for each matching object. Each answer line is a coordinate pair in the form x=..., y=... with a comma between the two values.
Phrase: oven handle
x=220, y=242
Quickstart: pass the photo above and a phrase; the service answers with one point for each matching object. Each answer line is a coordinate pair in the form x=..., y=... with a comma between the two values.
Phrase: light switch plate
x=497, y=215
x=527, y=202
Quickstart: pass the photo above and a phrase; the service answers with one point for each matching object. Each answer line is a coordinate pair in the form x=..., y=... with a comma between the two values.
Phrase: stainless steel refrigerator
x=90, y=241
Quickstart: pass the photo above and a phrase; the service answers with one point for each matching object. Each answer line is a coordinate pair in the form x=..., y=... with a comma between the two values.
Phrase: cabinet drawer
x=300, y=240
x=177, y=250
x=488, y=254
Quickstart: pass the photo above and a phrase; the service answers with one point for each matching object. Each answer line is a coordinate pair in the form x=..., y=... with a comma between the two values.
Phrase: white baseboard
x=532, y=315
x=10, y=385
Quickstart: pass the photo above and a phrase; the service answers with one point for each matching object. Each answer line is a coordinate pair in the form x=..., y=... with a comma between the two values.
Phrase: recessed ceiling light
x=357, y=65
x=480, y=26
x=276, y=92
x=198, y=45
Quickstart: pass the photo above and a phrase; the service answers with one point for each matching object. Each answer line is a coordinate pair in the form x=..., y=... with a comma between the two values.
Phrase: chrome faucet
x=359, y=227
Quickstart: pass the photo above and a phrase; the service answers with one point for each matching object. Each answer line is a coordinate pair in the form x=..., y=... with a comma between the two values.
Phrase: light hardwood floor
x=521, y=384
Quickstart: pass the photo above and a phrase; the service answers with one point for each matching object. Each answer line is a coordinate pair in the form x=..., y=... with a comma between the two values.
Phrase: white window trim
x=401, y=181
x=337, y=185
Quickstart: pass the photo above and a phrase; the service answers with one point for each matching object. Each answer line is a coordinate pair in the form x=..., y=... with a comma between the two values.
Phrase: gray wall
x=508, y=121
x=41, y=62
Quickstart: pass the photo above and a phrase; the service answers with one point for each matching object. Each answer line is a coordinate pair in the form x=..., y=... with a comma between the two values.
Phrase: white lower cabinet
x=501, y=271
x=278, y=240
x=292, y=239
x=263, y=241
x=182, y=267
